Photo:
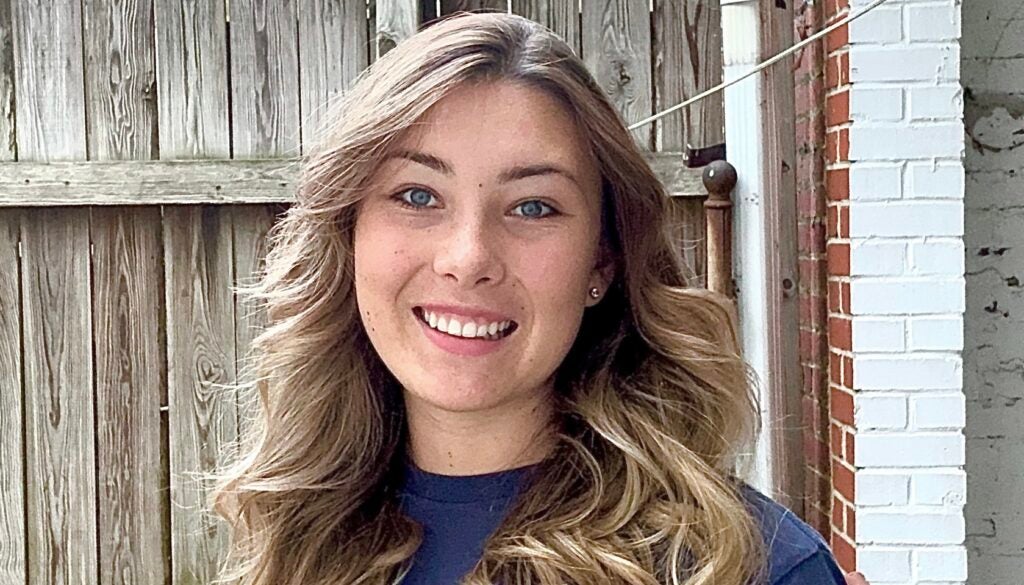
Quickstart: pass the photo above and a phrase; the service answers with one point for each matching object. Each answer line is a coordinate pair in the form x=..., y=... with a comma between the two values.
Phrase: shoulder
x=796, y=553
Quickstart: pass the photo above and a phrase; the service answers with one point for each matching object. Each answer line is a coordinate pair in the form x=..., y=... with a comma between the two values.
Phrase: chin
x=450, y=399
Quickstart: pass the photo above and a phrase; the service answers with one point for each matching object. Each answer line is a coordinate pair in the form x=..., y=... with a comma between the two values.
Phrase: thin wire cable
x=850, y=18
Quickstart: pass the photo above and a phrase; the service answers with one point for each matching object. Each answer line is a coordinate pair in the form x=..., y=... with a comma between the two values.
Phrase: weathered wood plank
x=452, y=6
x=59, y=454
x=50, y=109
x=120, y=79
x=205, y=181
x=13, y=567
x=201, y=359
x=191, y=58
x=252, y=223
x=394, y=21
x=617, y=50
x=561, y=16
x=335, y=49
x=8, y=145
x=264, y=79
x=784, y=407
x=147, y=182
x=130, y=378
x=687, y=45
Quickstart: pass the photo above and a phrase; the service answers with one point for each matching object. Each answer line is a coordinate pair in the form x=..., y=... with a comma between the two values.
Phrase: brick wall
x=895, y=261
x=809, y=80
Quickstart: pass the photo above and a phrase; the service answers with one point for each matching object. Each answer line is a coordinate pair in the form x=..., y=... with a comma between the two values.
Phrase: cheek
x=382, y=264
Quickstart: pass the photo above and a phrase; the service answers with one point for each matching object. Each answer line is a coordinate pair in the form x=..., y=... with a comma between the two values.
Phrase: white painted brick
x=942, y=488
x=941, y=181
x=881, y=489
x=936, y=333
x=886, y=296
x=943, y=411
x=871, y=181
x=871, y=258
x=909, y=450
x=941, y=564
x=884, y=565
x=868, y=64
x=882, y=25
x=907, y=373
x=936, y=103
x=892, y=142
x=933, y=23
x=937, y=258
x=918, y=218
x=876, y=335
x=879, y=411
x=880, y=527
x=876, y=105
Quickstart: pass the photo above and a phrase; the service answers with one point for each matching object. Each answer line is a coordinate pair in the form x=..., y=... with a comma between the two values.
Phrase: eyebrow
x=508, y=175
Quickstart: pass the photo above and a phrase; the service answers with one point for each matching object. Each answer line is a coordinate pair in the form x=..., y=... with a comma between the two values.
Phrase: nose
x=467, y=253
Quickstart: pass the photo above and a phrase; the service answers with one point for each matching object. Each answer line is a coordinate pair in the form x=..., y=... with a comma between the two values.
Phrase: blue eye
x=534, y=209
x=416, y=197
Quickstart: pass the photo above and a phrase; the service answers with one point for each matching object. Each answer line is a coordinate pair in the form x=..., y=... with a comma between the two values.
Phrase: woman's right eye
x=416, y=198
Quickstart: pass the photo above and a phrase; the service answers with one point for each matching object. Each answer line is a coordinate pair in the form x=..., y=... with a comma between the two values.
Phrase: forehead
x=501, y=123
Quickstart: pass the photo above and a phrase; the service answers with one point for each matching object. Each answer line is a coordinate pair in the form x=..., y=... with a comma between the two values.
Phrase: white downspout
x=744, y=128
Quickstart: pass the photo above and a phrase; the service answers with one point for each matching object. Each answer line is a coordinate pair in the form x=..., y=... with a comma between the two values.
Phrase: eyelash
x=398, y=197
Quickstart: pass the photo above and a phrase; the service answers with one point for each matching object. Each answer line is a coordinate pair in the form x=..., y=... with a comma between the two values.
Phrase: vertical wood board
x=8, y=144
x=334, y=50
x=60, y=459
x=561, y=16
x=13, y=567
x=264, y=79
x=130, y=379
x=393, y=21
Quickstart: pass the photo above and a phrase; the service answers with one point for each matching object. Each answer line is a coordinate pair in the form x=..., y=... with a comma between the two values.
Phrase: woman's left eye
x=416, y=197
x=534, y=209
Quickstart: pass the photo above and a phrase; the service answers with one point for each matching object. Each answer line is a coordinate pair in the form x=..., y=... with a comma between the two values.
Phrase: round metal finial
x=719, y=178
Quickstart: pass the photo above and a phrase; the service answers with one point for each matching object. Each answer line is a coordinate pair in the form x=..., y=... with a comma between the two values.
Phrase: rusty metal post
x=719, y=179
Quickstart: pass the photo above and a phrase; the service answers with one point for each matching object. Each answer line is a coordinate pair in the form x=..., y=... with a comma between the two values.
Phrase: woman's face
x=476, y=246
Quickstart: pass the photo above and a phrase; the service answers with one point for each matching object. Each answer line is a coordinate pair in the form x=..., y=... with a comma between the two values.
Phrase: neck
x=471, y=443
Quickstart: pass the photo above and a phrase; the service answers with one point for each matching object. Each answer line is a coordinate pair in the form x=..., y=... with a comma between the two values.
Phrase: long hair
x=652, y=400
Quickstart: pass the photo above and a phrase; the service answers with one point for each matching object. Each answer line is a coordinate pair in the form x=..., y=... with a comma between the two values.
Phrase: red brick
x=837, y=108
x=838, y=518
x=851, y=522
x=833, y=222
x=842, y=479
x=848, y=450
x=842, y=406
x=837, y=39
x=844, y=294
x=835, y=369
x=848, y=371
x=845, y=554
x=840, y=333
x=835, y=304
x=836, y=440
x=839, y=259
x=844, y=222
x=837, y=184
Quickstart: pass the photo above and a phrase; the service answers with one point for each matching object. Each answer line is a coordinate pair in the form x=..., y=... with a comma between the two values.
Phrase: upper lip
x=466, y=311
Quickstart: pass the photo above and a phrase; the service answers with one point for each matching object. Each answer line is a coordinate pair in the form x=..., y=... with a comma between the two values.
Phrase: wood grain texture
x=264, y=79
x=191, y=59
x=146, y=182
x=210, y=181
x=617, y=50
x=201, y=360
x=13, y=567
x=60, y=460
x=252, y=223
x=334, y=47
x=785, y=412
x=687, y=49
x=453, y=6
x=120, y=79
x=8, y=144
x=50, y=109
x=130, y=379
x=561, y=16
x=394, y=21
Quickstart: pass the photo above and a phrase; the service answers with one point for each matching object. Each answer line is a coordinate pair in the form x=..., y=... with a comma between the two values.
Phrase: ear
x=601, y=275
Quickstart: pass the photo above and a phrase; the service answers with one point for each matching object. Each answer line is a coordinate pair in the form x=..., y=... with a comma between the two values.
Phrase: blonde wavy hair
x=653, y=399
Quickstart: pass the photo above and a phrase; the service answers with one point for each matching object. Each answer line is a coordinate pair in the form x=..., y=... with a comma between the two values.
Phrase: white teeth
x=453, y=326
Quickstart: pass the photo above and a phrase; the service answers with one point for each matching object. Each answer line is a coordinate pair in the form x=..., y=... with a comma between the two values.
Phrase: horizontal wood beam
x=35, y=184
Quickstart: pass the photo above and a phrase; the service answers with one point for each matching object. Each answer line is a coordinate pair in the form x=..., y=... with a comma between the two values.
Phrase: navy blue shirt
x=458, y=513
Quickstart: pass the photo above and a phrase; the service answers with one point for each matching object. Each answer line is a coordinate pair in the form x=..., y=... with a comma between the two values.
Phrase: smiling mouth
x=453, y=327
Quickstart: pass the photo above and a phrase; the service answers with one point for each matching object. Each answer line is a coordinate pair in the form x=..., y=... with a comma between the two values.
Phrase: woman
x=483, y=363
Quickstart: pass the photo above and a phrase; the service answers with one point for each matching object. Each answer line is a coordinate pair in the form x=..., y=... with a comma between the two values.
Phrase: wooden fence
x=147, y=147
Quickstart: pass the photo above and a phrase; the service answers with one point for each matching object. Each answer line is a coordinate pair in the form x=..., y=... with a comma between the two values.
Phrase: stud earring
x=595, y=292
